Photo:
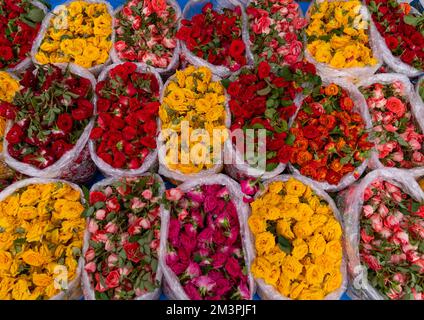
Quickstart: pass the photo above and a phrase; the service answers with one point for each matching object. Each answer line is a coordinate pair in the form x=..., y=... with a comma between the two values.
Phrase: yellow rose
x=6, y=285
x=291, y=267
x=33, y=258
x=300, y=249
x=311, y=294
x=295, y=187
x=302, y=229
x=332, y=230
x=334, y=249
x=20, y=290
x=42, y=58
x=326, y=262
x=8, y=87
x=5, y=260
x=273, y=275
x=284, y=285
x=41, y=280
x=257, y=224
x=36, y=232
x=264, y=242
x=314, y=275
x=91, y=53
x=305, y=211
x=284, y=229
x=296, y=289
x=29, y=197
x=276, y=187
x=260, y=268
x=291, y=199
x=27, y=213
x=317, y=244
x=318, y=220
x=333, y=281
x=276, y=257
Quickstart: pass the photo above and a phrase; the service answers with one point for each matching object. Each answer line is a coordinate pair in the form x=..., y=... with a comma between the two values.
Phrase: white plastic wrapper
x=362, y=109
x=353, y=199
x=172, y=286
x=176, y=176
x=46, y=24
x=176, y=56
x=74, y=291
x=268, y=292
x=24, y=64
x=151, y=160
x=75, y=165
x=417, y=88
x=87, y=288
x=351, y=73
x=417, y=107
x=194, y=7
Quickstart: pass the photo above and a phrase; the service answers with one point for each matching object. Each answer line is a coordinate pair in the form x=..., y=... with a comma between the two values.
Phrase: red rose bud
x=237, y=48
x=263, y=70
x=97, y=196
x=134, y=163
x=129, y=133
x=7, y=110
x=96, y=133
x=65, y=122
x=15, y=134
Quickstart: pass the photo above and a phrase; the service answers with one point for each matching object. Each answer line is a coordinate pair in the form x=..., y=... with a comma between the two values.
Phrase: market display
x=291, y=105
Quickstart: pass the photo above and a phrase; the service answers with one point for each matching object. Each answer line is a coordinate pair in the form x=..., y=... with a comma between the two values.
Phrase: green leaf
x=258, y=126
x=36, y=15
x=286, y=103
x=271, y=166
x=88, y=212
x=284, y=244
x=225, y=83
x=264, y=91
x=415, y=206
x=270, y=103
x=99, y=205
x=270, y=113
x=345, y=160
x=290, y=139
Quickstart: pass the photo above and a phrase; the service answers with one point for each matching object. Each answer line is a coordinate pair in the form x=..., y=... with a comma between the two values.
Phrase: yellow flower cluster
x=297, y=240
x=337, y=35
x=192, y=107
x=79, y=33
x=41, y=235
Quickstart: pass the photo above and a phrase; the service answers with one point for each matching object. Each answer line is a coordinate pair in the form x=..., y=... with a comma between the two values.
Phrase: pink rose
x=192, y=292
x=112, y=260
x=399, y=277
x=169, y=43
x=418, y=157
x=111, y=228
x=395, y=293
x=299, y=23
x=196, y=195
x=244, y=291
x=417, y=229
x=371, y=262
x=397, y=258
x=112, y=279
x=136, y=203
x=400, y=237
x=204, y=283
x=415, y=145
x=154, y=245
x=90, y=267
x=248, y=187
x=136, y=24
x=397, y=196
x=92, y=226
x=218, y=260
x=290, y=59
x=188, y=242
x=147, y=194
x=223, y=285
x=178, y=268
x=113, y=204
x=210, y=203
x=417, y=295
x=396, y=106
x=296, y=48
x=365, y=237
x=89, y=255
x=390, y=128
x=261, y=25
x=397, y=156
x=182, y=214
x=174, y=231
x=376, y=222
x=109, y=246
x=99, y=236
x=193, y=270
x=171, y=258
x=101, y=214
x=383, y=210
x=385, y=233
x=412, y=256
x=368, y=210
x=120, y=46
x=108, y=191
x=174, y=194
x=232, y=266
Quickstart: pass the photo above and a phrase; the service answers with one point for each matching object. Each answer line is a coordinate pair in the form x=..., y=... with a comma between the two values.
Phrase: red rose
x=97, y=196
x=119, y=159
x=383, y=10
x=237, y=48
x=83, y=111
x=392, y=42
x=7, y=110
x=149, y=142
x=207, y=7
x=132, y=250
x=96, y=133
x=106, y=157
x=347, y=104
x=284, y=154
x=263, y=70
x=151, y=107
x=129, y=133
x=408, y=56
x=103, y=105
x=60, y=147
x=234, y=89
x=6, y=53
x=280, y=82
x=65, y=122
x=112, y=279
x=310, y=132
x=288, y=112
x=150, y=127
x=396, y=106
x=15, y=134
x=333, y=177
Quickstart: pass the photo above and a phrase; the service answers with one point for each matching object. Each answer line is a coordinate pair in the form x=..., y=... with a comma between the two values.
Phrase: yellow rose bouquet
x=194, y=118
x=41, y=237
x=80, y=32
x=338, y=39
x=298, y=241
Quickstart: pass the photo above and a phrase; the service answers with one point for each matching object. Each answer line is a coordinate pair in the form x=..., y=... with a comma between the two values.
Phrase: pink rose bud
x=147, y=194
x=111, y=228
x=137, y=203
x=89, y=255
x=90, y=267
x=112, y=260
x=101, y=214
x=92, y=226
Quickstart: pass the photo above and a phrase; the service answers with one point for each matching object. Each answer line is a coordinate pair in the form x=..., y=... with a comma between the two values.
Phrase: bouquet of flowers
x=215, y=37
x=275, y=31
x=122, y=242
x=298, y=240
x=338, y=40
x=400, y=35
x=328, y=140
x=41, y=240
x=206, y=252
x=51, y=118
x=123, y=140
x=261, y=98
x=384, y=219
x=78, y=31
x=396, y=115
x=19, y=24
x=193, y=125
x=145, y=32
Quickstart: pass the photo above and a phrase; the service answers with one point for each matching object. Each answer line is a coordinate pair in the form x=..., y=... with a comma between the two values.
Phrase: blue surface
x=117, y=3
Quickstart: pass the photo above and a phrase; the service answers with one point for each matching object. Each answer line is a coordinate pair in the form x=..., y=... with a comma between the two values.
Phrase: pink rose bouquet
x=397, y=124
x=145, y=32
x=275, y=31
x=205, y=258
x=121, y=247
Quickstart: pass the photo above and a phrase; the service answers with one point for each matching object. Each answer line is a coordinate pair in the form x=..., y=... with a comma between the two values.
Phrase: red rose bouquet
x=328, y=140
x=204, y=257
x=401, y=34
x=214, y=38
x=51, y=117
x=19, y=24
x=275, y=30
x=145, y=32
x=121, y=247
x=123, y=140
x=385, y=236
x=261, y=98
x=397, y=121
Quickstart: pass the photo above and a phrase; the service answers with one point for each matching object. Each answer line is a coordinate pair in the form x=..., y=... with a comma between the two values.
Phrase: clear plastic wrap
x=174, y=175
x=75, y=165
x=74, y=291
x=420, y=83
x=172, y=287
x=46, y=23
x=350, y=73
x=86, y=285
x=24, y=64
x=362, y=109
x=194, y=7
x=176, y=56
x=268, y=292
x=353, y=198
x=417, y=107
x=151, y=160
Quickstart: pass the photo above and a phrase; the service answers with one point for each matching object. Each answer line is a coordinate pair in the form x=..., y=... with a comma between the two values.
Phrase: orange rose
x=332, y=89
x=303, y=157
x=406, y=8
x=301, y=144
x=336, y=165
x=340, y=144
x=320, y=174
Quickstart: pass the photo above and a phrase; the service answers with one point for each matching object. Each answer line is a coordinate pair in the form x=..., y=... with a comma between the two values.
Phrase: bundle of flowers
x=396, y=118
x=19, y=24
x=51, y=117
x=145, y=32
x=338, y=40
x=385, y=236
x=79, y=31
x=192, y=107
x=261, y=98
x=215, y=36
x=40, y=240
x=121, y=247
x=275, y=31
x=208, y=252
x=123, y=140
x=400, y=31
x=328, y=140
x=298, y=243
